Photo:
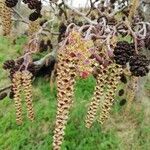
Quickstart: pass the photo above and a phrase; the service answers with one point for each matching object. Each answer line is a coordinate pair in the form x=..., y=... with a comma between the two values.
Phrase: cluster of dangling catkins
x=22, y=80
x=98, y=93
x=66, y=73
x=112, y=82
x=5, y=14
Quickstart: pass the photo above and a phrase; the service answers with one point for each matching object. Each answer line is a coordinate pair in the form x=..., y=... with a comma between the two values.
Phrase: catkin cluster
x=66, y=73
x=112, y=82
x=5, y=14
x=22, y=79
x=98, y=93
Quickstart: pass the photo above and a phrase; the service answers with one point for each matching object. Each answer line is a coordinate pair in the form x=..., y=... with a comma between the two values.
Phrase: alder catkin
x=5, y=14
x=130, y=95
x=98, y=93
x=112, y=81
x=65, y=79
x=34, y=26
x=16, y=86
x=26, y=82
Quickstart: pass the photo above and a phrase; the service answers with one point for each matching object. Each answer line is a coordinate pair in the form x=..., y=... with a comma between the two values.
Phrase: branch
x=81, y=14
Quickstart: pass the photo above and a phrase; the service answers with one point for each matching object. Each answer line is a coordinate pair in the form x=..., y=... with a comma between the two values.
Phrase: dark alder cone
x=62, y=30
x=121, y=92
x=34, y=16
x=8, y=64
x=11, y=3
x=122, y=102
x=11, y=95
x=139, y=65
x=123, y=78
x=49, y=44
x=13, y=70
x=31, y=68
x=122, y=52
x=34, y=4
x=3, y=95
x=20, y=61
x=43, y=46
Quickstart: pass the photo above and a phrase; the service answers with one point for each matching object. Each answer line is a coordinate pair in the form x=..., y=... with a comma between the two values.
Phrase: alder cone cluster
x=139, y=65
x=122, y=52
x=34, y=5
x=13, y=66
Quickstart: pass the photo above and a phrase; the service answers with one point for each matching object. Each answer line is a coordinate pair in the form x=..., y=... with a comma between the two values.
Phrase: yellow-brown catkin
x=112, y=81
x=26, y=82
x=5, y=18
x=16, y=85
x=131, y=88
x=98, y=93
x=133, y=9
x=33, y=27
x=65, y=79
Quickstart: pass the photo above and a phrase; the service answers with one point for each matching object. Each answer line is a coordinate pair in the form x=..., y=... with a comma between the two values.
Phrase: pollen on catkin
x=65, y=79
x=98, y=93
x=26, y=83
x=34, y=26
x=16, y=86
x=5, y=18
x=132, y=86
x=112, y=81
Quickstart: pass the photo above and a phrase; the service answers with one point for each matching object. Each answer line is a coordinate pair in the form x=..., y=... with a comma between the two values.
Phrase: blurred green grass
x=38, y=135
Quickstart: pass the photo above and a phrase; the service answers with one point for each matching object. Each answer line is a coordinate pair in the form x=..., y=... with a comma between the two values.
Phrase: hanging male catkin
x=16, y=86
x=34, y=26
x=65, y=79
x=6, y=18
x=98, y=93
x=130, y=95
x=26, y=82
x=112, y=81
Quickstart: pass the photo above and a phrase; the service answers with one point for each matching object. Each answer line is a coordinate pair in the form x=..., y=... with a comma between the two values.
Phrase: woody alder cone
x=139, y=65
x=122, y=52
x=34, y=16
x=11, y=3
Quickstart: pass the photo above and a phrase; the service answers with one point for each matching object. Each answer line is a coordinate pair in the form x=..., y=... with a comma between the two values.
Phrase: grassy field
x=121, y=132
